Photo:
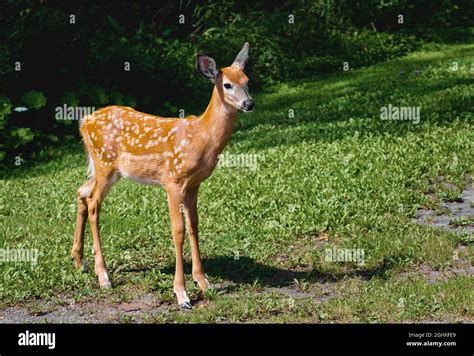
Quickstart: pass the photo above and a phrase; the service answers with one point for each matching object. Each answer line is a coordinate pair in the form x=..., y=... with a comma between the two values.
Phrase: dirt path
x=454, y=213
x=66, y=310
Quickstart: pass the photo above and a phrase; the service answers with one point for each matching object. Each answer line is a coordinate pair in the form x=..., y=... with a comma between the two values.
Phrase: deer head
x=231, y=82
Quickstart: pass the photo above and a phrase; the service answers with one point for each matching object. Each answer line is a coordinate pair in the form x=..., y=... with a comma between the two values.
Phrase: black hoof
x=186, y=306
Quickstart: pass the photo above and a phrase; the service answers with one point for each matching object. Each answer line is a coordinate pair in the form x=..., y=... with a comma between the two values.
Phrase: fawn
x=177, y=153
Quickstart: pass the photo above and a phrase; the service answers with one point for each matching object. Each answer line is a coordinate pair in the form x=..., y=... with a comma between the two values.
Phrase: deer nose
x=249, y=105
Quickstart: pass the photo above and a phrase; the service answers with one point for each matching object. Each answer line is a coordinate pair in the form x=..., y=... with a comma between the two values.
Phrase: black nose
x=249, y=105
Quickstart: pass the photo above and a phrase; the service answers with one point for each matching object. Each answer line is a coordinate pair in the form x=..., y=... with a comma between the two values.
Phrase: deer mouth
x=245, y=110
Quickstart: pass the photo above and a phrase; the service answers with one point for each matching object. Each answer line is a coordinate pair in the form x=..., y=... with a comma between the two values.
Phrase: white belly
x=141, y=180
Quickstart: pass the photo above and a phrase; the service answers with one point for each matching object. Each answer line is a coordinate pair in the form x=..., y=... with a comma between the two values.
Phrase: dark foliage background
x=83, y=63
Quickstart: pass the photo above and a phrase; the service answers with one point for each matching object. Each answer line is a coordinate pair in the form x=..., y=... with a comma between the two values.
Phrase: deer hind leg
x=190, y=209
x=99, y=191
x=77, y=253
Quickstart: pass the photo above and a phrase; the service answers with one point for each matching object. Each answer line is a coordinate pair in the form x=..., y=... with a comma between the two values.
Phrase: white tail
x=177, y=153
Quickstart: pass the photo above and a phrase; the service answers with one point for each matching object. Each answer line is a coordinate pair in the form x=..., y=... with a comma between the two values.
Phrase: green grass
x=334, y=175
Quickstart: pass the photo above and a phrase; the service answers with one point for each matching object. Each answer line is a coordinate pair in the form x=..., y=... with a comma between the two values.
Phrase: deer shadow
x=246, y=270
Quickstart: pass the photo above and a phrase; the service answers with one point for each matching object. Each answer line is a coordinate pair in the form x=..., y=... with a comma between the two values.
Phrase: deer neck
x=217, y=124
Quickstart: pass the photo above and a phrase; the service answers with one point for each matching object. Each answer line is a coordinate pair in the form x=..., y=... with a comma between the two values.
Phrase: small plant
x=462, y=221
x=34, y=99
x=126, y=319
x=98, y=95
x=69, y=98
x=5, y=108
x=22, y=136
x=302, y=285
x=451, y=195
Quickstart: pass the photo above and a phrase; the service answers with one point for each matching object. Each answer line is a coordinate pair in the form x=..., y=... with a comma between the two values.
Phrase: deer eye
x=227, y=86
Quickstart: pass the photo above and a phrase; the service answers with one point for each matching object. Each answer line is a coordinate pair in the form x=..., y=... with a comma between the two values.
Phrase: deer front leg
x=177, y=226
x=190, y=208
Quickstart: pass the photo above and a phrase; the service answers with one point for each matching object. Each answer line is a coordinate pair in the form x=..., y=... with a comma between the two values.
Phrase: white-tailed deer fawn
x=178, y=153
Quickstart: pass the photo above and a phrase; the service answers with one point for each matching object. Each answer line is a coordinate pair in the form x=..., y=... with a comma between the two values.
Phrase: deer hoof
x=186, y=305
x=104, y=280
x=82, y=265
x=203, y=284
x=105, y=285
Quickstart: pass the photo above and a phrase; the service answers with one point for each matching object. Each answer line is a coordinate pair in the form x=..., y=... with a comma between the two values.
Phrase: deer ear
x=242, y=58
x=206, y=66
